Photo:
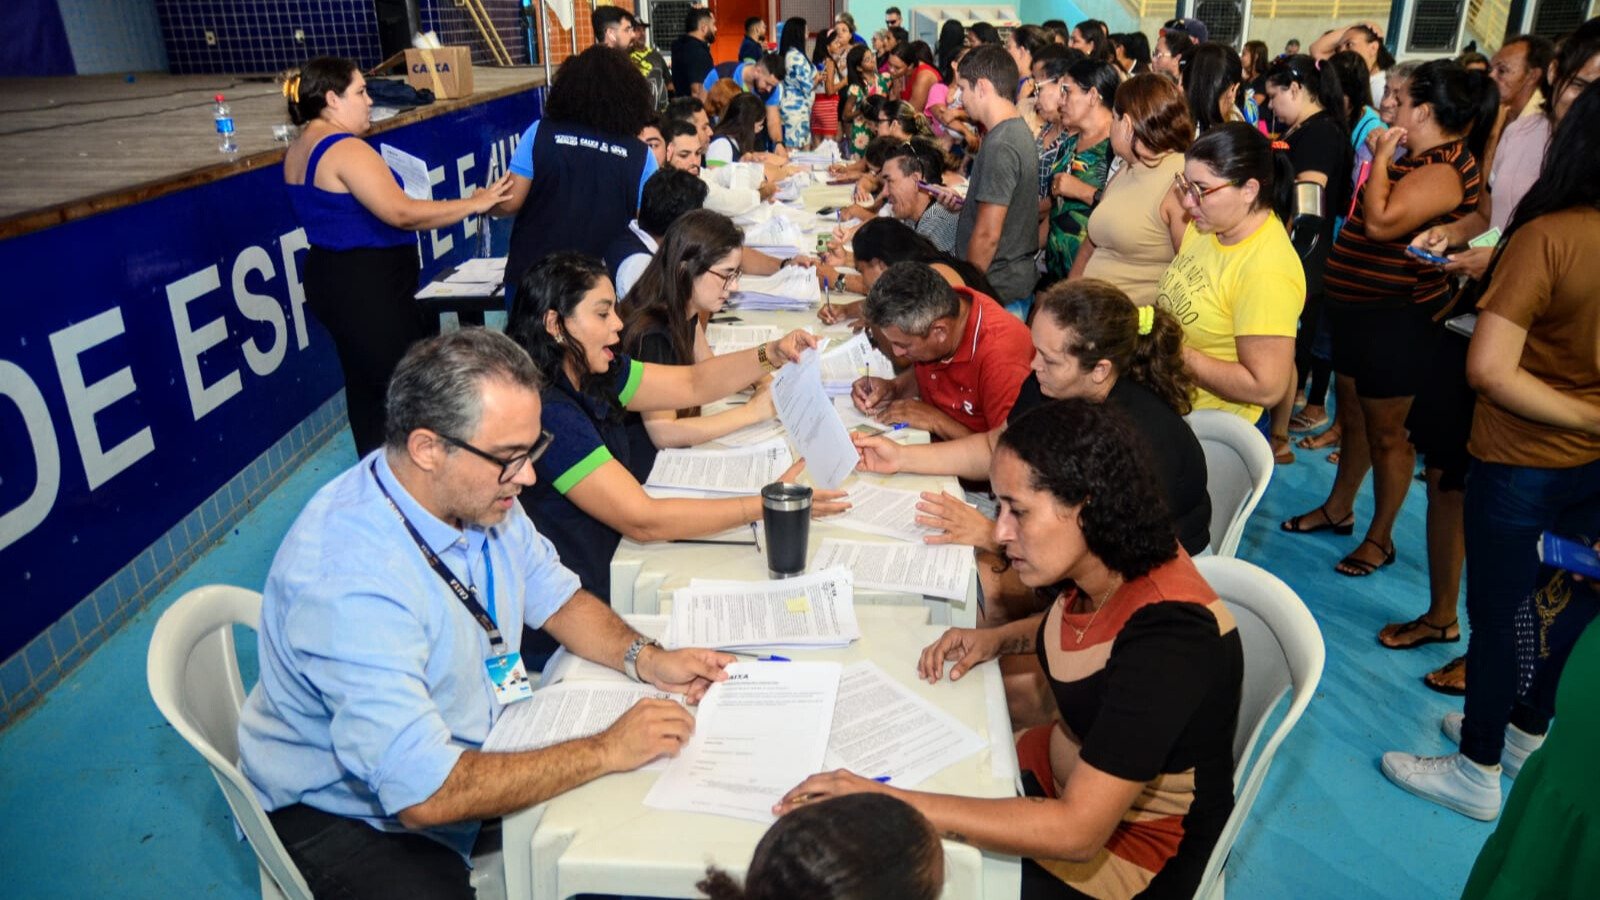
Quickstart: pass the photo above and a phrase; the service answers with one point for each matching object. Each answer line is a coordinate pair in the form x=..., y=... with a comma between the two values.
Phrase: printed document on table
x=752, y=434
x=814, y=610
x=853, y=359
x=724, y=338
x=881, y=727
x=565, y=712
x=458, y=289
x=745, y=470
x=413, y=172
x=484, y=269
x=808, y=414
x=934, y=570
x=890, y=512
x=757, y=735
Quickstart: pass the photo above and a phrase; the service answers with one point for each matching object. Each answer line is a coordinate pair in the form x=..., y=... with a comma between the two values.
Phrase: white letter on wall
x=192, y=342
x=14, y=523
x=288, y=245
x=84, y=400
x=260, y=308
x=463, y=163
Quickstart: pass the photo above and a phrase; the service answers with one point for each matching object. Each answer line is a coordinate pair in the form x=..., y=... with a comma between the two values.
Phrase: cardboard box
x=451, y=74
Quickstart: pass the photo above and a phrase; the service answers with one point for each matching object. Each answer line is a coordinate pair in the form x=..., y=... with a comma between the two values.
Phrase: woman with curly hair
x=1091, y=343
x=582, y=165
x=1133, y=777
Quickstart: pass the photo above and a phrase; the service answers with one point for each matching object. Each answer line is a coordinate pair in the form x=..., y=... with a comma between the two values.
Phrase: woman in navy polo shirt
x=585, y=499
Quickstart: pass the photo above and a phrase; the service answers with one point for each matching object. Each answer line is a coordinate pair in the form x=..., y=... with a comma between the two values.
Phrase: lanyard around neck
x=467, y=596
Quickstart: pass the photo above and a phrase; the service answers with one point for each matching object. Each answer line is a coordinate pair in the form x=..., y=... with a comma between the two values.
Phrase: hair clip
x=291, y=88
x=1147, y=319
x=1280, y=145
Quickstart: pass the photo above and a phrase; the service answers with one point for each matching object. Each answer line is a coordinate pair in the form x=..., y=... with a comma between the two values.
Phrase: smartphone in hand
x=1427, y=257
x=1569, y=556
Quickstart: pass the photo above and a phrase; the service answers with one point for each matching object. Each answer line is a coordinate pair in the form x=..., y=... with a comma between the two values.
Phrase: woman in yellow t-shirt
x=1236, y=285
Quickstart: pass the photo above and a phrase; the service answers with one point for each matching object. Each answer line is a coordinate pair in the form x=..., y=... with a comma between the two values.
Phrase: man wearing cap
x=650, y=64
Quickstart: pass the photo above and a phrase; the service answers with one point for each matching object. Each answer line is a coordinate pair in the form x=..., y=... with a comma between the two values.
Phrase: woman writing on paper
x=684, y=284
x=586, y=499
x=1133, y=782
x=361, y=271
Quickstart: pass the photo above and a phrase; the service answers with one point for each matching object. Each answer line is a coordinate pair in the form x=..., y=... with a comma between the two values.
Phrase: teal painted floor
x=101, y=798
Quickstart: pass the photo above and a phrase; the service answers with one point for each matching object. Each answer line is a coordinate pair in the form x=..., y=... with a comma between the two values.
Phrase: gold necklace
x=1077, y=632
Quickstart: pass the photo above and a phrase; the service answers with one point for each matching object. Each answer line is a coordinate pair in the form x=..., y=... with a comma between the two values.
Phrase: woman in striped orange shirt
x=1384, y=303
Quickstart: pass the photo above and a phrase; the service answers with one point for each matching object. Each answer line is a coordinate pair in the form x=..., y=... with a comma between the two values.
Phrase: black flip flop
x=1420, y=623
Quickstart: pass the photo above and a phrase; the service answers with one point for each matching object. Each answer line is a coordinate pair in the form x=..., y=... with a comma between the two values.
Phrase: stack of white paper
x=742, y=471
x=809, y=416
x=891, y=512
x=458, y=289
x=814, y=610
x=792, y=288
x=777, y=232
x=854, y=418
x=821, y=156
x=933, y=570
x=882, y=729
x=484, y=270
x=725, y=338
x=853, y=359
x=758, y=734
x=564, y=712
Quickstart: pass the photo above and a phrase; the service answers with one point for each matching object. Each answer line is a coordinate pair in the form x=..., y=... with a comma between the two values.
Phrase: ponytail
x=1237, y=152
x=1319, y=78
x=305, y=90
x=1143, y=344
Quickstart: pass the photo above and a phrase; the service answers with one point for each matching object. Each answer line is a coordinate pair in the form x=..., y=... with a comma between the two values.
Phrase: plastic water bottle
x=224, y=118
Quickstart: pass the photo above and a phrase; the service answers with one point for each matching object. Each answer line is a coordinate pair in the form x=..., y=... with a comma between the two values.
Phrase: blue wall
x=156, y=351
x=124, y=36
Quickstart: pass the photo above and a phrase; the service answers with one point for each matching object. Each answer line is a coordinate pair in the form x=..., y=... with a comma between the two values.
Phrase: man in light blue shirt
x=361, y=737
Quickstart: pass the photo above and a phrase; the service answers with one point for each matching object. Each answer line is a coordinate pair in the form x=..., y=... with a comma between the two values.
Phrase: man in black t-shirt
x=691, y=53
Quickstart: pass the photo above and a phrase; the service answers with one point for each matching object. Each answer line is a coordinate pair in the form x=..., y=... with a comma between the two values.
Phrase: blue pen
x=757, y=657
x=899, y=425
x=882, y=779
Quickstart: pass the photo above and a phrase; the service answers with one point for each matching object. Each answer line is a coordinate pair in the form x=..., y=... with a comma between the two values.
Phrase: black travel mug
x=786, y=511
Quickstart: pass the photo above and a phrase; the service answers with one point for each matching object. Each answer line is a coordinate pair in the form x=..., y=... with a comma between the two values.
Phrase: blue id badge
x=509, y=677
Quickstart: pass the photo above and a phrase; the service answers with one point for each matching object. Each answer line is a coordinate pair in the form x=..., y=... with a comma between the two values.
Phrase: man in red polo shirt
x=969, y=355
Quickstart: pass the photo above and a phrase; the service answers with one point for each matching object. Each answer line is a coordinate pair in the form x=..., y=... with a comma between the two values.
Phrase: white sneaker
x=1452, y=781
x=1519, y=743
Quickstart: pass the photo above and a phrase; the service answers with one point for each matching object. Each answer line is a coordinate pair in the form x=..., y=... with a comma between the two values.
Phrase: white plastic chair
x=194, y=677
x=1238, y=469
x=193, y=671
x=1283, y=651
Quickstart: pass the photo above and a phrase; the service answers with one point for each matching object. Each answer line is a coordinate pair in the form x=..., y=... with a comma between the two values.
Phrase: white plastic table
x=600, y=838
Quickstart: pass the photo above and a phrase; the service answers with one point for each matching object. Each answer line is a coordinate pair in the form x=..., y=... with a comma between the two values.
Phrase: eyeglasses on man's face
x=510, y=466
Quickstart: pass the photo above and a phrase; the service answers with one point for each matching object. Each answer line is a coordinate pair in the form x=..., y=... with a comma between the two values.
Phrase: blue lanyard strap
x=467, y=596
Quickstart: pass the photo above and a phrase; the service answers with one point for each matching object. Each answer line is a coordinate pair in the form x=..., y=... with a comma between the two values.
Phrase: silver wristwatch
x=630, y=658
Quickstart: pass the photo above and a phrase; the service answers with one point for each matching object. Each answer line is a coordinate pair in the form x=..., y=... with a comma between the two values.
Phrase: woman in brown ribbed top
x=1384, y=303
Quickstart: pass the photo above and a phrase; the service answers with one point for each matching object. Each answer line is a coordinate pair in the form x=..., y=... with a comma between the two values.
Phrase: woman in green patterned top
x=1081, y=171
x=863, y=81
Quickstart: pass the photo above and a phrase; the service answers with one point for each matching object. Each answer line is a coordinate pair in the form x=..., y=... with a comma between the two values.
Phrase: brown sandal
x=1328, y=438
x=1430, y=633
x=1436, y=680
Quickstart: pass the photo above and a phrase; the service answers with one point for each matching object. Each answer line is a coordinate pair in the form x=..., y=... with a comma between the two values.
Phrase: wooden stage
x=72, y=147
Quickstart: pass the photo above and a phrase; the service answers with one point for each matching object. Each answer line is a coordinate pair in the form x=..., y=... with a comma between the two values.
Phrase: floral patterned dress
x=794, y=107
x=862, y=131
x=1069, y=218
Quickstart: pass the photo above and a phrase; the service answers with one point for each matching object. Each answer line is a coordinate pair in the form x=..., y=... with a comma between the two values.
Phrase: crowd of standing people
x=1068, y=239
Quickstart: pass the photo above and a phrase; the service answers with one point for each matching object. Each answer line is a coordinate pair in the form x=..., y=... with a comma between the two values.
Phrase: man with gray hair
x=969, y=356
x=391, y=624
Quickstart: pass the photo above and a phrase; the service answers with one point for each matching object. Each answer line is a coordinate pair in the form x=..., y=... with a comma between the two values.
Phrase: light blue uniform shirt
x=372, y=671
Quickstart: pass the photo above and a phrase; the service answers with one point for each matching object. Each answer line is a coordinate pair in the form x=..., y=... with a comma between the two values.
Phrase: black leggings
x=366, y=299
x=1311, y=367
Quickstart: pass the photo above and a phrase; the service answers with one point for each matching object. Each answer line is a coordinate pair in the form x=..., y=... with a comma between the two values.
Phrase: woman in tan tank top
x=1138, y=223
